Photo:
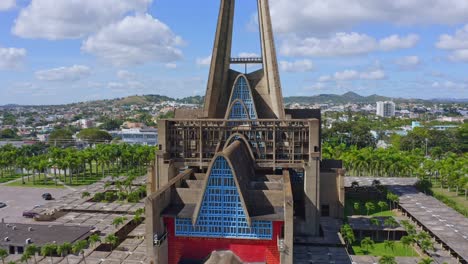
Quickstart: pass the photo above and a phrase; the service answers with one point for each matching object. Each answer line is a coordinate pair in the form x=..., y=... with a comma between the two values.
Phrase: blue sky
x=54, y=52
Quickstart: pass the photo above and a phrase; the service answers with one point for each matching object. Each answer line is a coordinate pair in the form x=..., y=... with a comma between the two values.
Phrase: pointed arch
x=238, y=136
x=238, y=110
x=242, y=91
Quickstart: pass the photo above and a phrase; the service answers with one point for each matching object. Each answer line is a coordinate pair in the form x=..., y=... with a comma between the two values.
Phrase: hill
x=349, y=97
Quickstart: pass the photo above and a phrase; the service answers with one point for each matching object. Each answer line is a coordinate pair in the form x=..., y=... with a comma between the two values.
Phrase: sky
x=56, y=51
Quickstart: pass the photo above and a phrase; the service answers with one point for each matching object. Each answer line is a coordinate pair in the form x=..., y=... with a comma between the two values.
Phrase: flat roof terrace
x=448, y=226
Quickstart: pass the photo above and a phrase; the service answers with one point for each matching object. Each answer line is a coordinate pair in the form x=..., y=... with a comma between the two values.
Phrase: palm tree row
x=450, y=169
x=71, y=164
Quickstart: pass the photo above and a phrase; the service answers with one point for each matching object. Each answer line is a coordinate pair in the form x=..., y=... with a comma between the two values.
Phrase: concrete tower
x=242, y=174
x=265, y=83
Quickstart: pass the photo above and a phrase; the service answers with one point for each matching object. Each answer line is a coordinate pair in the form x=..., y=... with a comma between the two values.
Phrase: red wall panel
x=249, y=250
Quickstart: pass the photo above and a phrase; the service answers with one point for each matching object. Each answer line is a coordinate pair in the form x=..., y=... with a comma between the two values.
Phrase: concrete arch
x=244, y=139
x=249, y=88
x=228, y=112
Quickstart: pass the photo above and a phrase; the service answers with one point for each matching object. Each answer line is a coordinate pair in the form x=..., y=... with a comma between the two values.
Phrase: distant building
x=386, y=109
x=136, y=136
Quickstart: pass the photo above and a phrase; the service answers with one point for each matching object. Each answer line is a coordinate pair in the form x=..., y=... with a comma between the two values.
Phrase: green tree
x=382, y=205
x=407, y=241
x=3, y=255
x=48, y=250
x=85, y=194
x=389, y=244
x=112, y=240
x=8, y=134
x=78, y=248
x=64, y=249
x=391, y=223
x=94, y=239
x=31, y=250
x=61, y=137
x=94, y=135
x=370, y=206
x=356, y=207
x=387, y=260
x=118, y=221
x=366, y=244
x=426, y=261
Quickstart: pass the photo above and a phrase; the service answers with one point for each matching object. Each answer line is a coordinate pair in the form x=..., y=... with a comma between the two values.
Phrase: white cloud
x=73, y=73
x=449, y=85
x=7, y=4
x=373, y=75
x=248, y=55
x=325, y=78
x=394, y=42
x=350, y=75
x=134, y=40
x=52, y=19
x=459, y=55
x=125, y=75
x=309, y=17
x=346, y=75
x=125, y=86
x=457, y=43
x=171, y=65
x=297, y=66
x=204, y=61
x=11, y=58
x=453, y=42
x=408, y=62
x=344, y=44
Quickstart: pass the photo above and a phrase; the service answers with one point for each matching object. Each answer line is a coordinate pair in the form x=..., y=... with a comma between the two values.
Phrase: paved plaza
x=19, y=199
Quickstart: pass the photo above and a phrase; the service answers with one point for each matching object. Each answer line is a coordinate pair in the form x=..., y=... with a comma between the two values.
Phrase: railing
x=271, y=141
x=246, y=60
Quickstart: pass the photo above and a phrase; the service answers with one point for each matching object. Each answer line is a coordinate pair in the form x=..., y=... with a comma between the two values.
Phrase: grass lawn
x=7, y=178
x=459, y=199
x=349, y=208
x=39, y=182
x=380, y=250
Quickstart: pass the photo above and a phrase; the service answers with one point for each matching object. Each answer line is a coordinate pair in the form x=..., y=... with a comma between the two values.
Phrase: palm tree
x=11, y=262
x=366, y=244
x=31, y=250
x=78, y=248
x=25, y=257
x=382, y=205
x=406, y=241
x=3, y=255
x=118, y=221
x=392, y=223
x=426, y=244
x=48, y=250
x=389, y=244
x=426, y=261
x=370, y=206
x=112, y=240
x=356, y=207
x=348, y=234
x=64, y=249
x=94, y=239
x=387, y=260
x=85, y=194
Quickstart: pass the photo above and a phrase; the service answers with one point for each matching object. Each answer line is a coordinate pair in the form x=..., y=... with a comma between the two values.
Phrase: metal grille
x=238, y=111
x=242, y=92
x=221, y=214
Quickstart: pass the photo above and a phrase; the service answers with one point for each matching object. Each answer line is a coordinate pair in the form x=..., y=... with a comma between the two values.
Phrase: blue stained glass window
x=221, y=213
x=238, y=111
x=242, y=92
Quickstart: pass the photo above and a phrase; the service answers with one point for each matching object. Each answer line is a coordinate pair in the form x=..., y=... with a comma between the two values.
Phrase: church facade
x=243, y=174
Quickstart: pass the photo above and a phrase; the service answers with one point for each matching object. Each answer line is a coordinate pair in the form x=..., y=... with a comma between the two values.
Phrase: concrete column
x=312, y=197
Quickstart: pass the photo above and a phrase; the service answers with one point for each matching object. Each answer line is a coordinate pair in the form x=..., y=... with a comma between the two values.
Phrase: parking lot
x=19, y=199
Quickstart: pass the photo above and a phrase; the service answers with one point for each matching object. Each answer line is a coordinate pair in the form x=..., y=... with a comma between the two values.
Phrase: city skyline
x=140, y=47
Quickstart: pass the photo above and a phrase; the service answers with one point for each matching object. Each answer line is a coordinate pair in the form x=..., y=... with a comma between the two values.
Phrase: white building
x=144, y=136
x=386, y=109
